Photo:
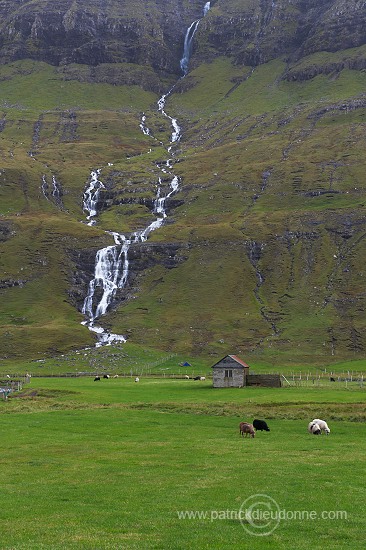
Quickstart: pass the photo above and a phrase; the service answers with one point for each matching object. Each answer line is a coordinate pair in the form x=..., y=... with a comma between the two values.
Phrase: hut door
x=228, y=377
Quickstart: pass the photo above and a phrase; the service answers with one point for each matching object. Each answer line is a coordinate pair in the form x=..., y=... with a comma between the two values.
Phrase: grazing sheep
x=202, y=377
x=106, y=376
x=186, y=376
x=314, y=428
x=115, y=376
x=261, y=425
x=246, y=428
x=137, y=379
x=97, y=378
x=322, y=425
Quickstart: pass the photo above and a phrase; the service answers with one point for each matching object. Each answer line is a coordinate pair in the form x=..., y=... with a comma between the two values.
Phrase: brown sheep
x=246, y=428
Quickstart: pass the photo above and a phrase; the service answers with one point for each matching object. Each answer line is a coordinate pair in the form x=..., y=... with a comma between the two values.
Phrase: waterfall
x=108, y=276
x=91, y=196
x=188, y=40
x=145, y=130
x=111, y=268
x=55, y=188
x=159, y=208
x=44, y=187
x=56, y=193
x=188, y=46
x=206, y=7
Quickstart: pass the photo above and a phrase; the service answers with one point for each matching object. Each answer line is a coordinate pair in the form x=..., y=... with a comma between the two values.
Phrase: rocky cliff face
x=94, y=32
x=256, y=32
x=144, y=33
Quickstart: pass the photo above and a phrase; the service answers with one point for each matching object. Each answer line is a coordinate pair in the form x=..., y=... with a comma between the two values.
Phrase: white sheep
x=137, y=379
x=314, y=428
x=322, y=425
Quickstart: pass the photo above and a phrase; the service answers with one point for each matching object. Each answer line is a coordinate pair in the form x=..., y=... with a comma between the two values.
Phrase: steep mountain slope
x=60, y=32
x=151, y=33
x=263, y=248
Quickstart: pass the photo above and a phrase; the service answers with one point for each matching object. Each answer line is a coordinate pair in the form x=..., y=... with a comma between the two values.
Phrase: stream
x=111, y=267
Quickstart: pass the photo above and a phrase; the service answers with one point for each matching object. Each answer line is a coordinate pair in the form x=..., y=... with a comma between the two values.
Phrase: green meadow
x=160, y=464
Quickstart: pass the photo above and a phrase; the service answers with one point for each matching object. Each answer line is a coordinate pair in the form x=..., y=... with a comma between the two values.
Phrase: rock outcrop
x=91, y=33
x=257, y=32
x=152, y=35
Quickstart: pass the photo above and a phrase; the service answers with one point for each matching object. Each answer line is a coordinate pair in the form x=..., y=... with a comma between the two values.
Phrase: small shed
x=230, y=372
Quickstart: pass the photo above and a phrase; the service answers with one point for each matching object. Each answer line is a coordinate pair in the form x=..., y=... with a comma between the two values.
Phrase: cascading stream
x=111, y=268
x=111, y=263
x=91, y=196
x=55, y=194
x=176, y=134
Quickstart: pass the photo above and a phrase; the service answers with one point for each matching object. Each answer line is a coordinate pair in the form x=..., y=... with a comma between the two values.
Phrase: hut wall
x=236, y=381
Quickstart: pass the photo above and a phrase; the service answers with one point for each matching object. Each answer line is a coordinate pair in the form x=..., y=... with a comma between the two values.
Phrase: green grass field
x=115, y=464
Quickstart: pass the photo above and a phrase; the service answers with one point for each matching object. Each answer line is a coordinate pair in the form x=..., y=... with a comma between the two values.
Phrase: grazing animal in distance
x=186, y=376
x=261, y=425
x=115, y=376
x=105, y=375
x=246, y=428
x=322, y=425
x=137, y=379
x=314, y=428
x=332, y=379
x=97, y=378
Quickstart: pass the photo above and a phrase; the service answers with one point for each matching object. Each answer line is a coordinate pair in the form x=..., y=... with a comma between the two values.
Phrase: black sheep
x=261, y=425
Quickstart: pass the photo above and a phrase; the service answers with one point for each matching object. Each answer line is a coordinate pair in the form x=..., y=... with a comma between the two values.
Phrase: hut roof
x=241, y=363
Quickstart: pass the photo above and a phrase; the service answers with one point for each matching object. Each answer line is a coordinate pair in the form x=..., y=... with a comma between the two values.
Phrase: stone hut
x=230, y=372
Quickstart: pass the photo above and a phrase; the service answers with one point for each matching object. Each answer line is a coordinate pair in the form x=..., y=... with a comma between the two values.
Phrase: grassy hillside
x=273, y=213
x=62, y=129
x=267, y=226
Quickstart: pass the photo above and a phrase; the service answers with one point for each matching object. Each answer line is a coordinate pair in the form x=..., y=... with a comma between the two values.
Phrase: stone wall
x=269, y=380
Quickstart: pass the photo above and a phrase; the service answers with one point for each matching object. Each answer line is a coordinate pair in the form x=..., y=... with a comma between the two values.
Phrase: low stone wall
x=268, y=380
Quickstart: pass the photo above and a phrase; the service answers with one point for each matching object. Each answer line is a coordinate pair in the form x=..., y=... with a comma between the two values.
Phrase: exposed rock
x=90, y=33
x=301, y=72
x=5, y=231
x=9, y=283
x=259, y=31
x=152, y=35
x=142, y=256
